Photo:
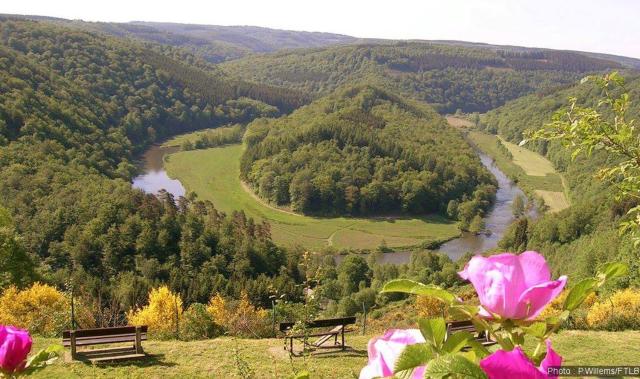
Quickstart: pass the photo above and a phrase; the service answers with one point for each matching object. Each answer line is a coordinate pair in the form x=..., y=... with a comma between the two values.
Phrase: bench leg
x=73, y=345
x=343, y=347
x=138, y=345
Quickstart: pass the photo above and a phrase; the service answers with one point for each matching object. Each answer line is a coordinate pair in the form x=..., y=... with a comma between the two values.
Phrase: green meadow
x=214, y=174
x=533, y=172
x=266, y=358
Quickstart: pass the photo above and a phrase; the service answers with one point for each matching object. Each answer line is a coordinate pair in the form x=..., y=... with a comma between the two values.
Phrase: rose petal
x=534, y=268
x=552, y=359
x=498, y=280
x=15, y=345
x=512, y=364
x=384, y=352
x=534, y=299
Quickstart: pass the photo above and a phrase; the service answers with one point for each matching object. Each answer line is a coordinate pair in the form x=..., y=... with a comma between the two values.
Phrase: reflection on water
x=499, y=217
x=155, y=177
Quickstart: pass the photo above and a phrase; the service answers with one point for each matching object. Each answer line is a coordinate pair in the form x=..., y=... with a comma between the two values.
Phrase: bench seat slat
x=86, y=341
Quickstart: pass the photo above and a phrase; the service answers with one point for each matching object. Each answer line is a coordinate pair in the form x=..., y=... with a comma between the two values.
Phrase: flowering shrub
x=198, y=323
x=621, y=311
x=577, y=319
x=42, y=309
x=218, y=309
x=243, y=319
x=513, y=290
x=162, y=315
x=15, y=345
x=429, y=306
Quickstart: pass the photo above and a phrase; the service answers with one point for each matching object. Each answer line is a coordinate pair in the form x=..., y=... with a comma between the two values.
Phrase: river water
x=154, y=178
x=499, y=217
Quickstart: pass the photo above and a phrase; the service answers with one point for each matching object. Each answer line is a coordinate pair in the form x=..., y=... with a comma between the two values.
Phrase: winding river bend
x=154, y=178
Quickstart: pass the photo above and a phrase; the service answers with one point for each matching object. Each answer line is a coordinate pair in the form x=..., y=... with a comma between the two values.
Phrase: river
x=499, y=217
x=154, y=178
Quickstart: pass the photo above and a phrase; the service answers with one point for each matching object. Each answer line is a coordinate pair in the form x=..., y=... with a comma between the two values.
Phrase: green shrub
x=198, y=323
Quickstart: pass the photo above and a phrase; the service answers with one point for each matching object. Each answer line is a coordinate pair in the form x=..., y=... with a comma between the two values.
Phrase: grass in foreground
x=218, y=358
x=214, y=174
x=534, y=173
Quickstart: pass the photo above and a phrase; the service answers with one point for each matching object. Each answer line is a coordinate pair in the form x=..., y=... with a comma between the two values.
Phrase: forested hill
x=212, y=42
x=448, y=77
x=75, y=110
x=363, y=150
x=580, y=237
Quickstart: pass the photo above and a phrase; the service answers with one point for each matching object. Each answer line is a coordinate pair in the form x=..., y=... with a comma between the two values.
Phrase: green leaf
x=413, y=356
x=578, y=293
x=479, y=349
x=302, y=375
x=462, y=312
x=456, y=341
x=453, y=365
x=613, y=270
x=537, y=329
x=43, y=358
x=415, y=288
x=434, y=330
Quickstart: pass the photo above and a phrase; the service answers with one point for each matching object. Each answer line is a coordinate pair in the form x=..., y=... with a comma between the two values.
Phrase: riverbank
x=213, y=174
x=532, y=172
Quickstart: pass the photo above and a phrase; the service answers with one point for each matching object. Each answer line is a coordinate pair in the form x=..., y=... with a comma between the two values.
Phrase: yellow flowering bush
x=240, y=318
x=578, y=319
x=428, y=307
x=620, y=311
x=41, y=309
x=162, y=315
x=217, y=307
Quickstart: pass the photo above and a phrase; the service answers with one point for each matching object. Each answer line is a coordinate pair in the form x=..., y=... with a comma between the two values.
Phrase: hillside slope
x=76, y=109
x=361, y=151
x=578, y=238
x=448, y=77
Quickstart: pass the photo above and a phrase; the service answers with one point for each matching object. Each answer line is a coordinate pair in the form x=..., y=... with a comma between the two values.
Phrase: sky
x=606, y=26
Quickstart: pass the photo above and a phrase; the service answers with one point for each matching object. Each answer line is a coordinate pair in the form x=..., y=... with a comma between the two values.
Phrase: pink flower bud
x=15, y=345
x=512, y=286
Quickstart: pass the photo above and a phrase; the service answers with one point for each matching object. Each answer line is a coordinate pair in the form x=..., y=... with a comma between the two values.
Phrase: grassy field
x=213, y=174
x=218, y=358
x=534, y=173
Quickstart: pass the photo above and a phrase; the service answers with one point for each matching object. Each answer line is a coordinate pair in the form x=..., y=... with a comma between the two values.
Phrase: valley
x=208, y=182
x=213, y=174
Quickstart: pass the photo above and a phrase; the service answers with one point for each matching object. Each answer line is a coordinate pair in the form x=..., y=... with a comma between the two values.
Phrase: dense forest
x=75, y=111
x=364, y=151
x=578, y=238
x=449, y=77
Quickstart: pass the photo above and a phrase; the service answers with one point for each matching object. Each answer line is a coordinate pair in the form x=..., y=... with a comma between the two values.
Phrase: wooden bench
x=457, y=326
x=338, y=328
x=102, y=336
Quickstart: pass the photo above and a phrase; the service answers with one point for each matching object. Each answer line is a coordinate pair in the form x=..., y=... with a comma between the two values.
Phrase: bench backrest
x=458, y=326
x=104, y=332
x=325, y=323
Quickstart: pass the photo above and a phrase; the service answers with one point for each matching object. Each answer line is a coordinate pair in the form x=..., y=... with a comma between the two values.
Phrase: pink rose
x=15, y=345
x=512, y=286
x=384, y=352
x=515, y=364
